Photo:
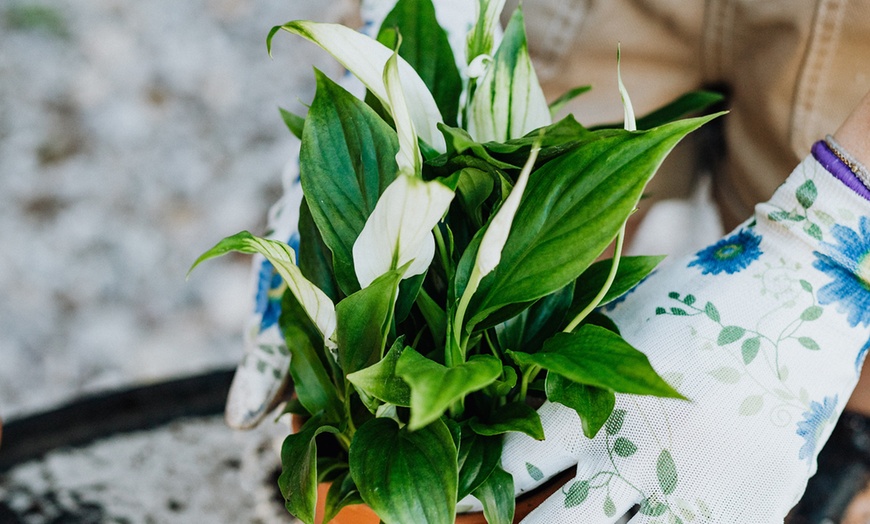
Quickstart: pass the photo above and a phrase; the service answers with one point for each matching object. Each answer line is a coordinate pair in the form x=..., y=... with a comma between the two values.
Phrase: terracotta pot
x=362, y=514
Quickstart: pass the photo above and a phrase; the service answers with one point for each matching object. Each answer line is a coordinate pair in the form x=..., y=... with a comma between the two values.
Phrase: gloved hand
x=765, y=332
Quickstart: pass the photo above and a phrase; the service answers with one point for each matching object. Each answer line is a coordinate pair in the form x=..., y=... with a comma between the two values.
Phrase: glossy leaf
x=528, y=330
x=294, y=123
x=434, y=387
x=496, y=494
x=478, y=456
x=315, y=259
x=363, y=322
x=342, y=492
x=557, y=104
x=687, y=104
x=629, y=273
x=571, y=211
x=597, y=357
x=508, y=101
x=298, y=480
x=399, y=229
x=366, y=58
x=593, y=405
x=347, y=161
x=403, y=475
x=514, y=416
x=426, y=48
x=380, y=380
x=316, y=304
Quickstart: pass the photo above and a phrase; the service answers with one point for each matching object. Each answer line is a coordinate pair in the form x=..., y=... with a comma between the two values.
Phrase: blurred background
x=133, y=136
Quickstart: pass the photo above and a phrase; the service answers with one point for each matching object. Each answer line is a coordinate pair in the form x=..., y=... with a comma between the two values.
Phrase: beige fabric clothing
x=794, y=69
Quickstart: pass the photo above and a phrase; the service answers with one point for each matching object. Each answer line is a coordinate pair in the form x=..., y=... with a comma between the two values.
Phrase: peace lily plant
x=447, y=270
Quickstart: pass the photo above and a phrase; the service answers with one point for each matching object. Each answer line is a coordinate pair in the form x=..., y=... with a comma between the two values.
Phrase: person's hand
x=764, y=332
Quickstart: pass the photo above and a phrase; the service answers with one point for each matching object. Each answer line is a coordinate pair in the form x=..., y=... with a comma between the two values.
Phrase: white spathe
x=399, y=230
x=408, y=158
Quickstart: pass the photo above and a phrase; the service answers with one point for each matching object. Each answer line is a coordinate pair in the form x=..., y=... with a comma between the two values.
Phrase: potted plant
x=447, y=271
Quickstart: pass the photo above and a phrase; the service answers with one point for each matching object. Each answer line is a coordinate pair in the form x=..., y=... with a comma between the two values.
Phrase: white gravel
x=134, y=135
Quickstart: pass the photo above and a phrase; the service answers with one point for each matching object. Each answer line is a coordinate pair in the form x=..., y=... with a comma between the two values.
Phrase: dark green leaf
x=409, y=289
x=813, y=230
x=597, y=357
x=459, y=141
x=514, y=416
x=661, y=311
x=572, y=209
x=806, y=194
x=557, y=104
x=346, y=161
x=811, y=313
x=750, y=349
x=730, y=334
x=809, y=343
x=363, y=320
x=294, y=123
x=478, y=457
x=434, y=387
x=689, y=300
x=496, y=494
x=342, y=492
x=679, y=312
x=624, y=447
x=614, y=423
x=528, y=330
x=315, y=260
x=474, y=188
x=577, y=494
x=592, y=404
x=425, y=47
x=629, y=273
x=406, y=476
x=711, y=312
x=666, y=471
x=687, y=104
x=534, y=472
x=311, y=381
x=674, y=295
x=380, y=380
x=298, y=480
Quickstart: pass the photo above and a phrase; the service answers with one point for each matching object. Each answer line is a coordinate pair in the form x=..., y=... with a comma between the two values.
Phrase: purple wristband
x=823, y=154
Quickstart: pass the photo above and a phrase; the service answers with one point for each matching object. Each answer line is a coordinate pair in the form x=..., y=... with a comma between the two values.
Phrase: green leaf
x=689, y=300
x=496, y=494
x=652, y=507
x=514, y=416
x=478, y=457
x=298, y=480
x=380, y=380
x=813, y=230
x=508, y=101
x=347, y=159
x=614, y=423
x=597, y=357
x=366, y=58
x=609, y=507
x=751, y=405
x=363, y=322
x=730, y=334
x=806, y=194
x=577, y=494
x=629, y=273
x=726, y=375
x=426, y=48
x=536, y=474
x=403, y=475
x=593, y=405
x=315, y=259
x=806, y=286
x=541, y=321
x=311, y=380
x=434, y=387
x=624, y=447
x=811, y=313
x=750, y=349
x=342, y=492
x=666, y=471
x=294, y=123
x=690, y=103
x=557, y=104
x=573, y=208
x=474, y=188
x=809, y=343
x=481, y=38
x=678, y=312
x=711, y=312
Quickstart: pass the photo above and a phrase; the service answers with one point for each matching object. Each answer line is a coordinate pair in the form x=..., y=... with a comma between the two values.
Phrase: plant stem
x=528, y=377
x=617, y=254
x=442, y=251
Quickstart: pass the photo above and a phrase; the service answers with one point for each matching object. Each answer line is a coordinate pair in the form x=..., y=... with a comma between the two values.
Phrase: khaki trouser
x=794, y=70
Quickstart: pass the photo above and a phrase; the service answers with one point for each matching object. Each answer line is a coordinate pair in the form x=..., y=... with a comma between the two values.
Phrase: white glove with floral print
x=765, y=332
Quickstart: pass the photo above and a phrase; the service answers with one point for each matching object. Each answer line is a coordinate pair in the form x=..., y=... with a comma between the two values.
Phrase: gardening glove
x=764, y=332
x=261, y=379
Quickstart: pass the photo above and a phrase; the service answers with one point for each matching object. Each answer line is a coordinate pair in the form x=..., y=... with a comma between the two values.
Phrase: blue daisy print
x=730, y=254
x=848, y=263
x=813, y=423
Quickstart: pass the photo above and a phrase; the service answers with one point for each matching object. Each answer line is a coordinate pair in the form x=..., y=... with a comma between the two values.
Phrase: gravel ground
x=134, y=135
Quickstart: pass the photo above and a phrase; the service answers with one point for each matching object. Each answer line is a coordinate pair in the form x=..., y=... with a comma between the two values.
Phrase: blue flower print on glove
x=730, y=254
x=815, y=420
x=848, y=263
